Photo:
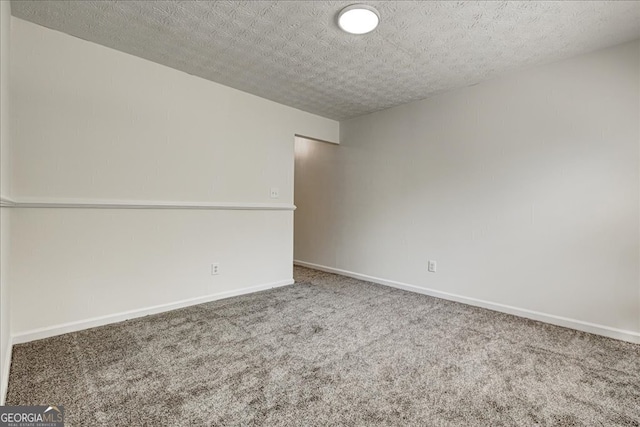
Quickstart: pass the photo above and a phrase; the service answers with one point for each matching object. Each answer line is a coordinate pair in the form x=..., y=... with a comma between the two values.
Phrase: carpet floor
x=331, y=351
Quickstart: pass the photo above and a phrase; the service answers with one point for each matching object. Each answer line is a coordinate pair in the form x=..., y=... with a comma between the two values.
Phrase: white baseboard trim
x=5, y=372
x=593, y=328
x=51, y=331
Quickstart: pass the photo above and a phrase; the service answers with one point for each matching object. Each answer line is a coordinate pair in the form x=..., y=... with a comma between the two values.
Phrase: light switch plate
x=432, y=266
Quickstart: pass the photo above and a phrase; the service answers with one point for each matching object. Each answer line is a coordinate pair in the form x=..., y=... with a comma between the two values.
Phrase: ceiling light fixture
x=358, y=19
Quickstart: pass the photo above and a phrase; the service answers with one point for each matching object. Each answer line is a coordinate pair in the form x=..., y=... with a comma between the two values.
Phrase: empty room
x=319, y=213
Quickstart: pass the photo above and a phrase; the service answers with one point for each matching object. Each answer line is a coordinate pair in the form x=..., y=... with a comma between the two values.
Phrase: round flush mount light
x=358, y=19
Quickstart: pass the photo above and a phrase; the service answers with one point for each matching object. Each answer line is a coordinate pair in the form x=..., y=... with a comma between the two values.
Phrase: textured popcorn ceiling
x=292, y=52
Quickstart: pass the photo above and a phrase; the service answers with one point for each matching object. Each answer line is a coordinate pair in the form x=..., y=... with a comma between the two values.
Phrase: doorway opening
x=315, y=175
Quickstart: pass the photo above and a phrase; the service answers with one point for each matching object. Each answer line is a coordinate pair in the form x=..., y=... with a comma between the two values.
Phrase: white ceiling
x=292, y=52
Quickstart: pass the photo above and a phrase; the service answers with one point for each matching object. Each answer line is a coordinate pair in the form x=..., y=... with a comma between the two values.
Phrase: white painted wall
x=5, y=192
x=94, y=124
x=5, y=313
x=524, y=189
x=103, y=262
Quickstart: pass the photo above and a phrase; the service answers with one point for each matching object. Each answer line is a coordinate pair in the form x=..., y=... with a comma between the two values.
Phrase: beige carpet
x=331, y=351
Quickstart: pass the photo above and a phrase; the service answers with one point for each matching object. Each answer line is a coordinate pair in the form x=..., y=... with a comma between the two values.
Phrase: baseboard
x=607, y=331
x=51, y=331
x=5, y=372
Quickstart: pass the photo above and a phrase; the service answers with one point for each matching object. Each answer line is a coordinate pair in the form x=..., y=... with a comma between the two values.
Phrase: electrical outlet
x=215, y=269
x=432, y=266
x=275, y=193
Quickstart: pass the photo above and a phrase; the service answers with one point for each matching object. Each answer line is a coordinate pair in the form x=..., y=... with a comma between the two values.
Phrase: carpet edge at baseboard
x=51, y=331
x=579, y=325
